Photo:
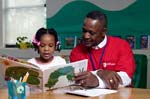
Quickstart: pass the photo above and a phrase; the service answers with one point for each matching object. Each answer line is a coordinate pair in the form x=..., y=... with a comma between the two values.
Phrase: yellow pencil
x=25, y=77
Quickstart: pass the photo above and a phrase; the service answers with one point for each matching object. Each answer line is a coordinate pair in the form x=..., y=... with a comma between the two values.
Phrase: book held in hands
x=51, y=78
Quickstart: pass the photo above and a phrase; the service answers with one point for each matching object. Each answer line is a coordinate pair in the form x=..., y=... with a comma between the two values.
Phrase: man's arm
x=103, y=79
x=110, y=78
x=125, y=80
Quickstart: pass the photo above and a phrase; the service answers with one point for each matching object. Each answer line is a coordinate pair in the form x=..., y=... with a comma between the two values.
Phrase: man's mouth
x=87, y=42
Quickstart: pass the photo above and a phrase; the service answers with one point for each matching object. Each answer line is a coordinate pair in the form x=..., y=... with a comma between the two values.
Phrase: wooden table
x=123, y=93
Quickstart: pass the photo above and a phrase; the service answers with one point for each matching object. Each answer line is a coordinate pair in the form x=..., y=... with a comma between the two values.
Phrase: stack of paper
x=91, y=92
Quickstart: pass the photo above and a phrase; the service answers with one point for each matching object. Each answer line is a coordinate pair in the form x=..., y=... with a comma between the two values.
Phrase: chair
x=139, y=79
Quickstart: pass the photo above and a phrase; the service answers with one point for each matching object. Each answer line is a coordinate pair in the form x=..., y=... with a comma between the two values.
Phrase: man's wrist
x=101, y=84
x=95, y=74
x=99, y=72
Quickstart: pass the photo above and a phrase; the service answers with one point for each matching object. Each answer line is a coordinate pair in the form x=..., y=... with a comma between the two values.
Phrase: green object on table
x=16, y=90
x=139, y=79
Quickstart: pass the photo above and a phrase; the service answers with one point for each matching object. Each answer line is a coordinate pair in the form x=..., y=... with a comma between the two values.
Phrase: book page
x=61, y=76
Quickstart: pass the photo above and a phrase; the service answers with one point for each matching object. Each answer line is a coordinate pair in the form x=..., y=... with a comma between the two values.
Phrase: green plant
x=22, y=43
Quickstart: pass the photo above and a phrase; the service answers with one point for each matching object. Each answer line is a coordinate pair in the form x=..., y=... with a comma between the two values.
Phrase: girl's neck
x=43, y=61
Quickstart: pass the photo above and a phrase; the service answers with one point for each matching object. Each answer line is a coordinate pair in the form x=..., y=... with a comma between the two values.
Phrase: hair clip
x=57, y=43
x=36, y=42
x=58, y=46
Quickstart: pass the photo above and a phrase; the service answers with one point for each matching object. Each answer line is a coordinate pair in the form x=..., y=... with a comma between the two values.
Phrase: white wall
x=54, y=5
x=1, y=24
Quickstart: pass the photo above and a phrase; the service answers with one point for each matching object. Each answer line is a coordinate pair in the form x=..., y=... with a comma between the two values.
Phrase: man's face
x=93, y=32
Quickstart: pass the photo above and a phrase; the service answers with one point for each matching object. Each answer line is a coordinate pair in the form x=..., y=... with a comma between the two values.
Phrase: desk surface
x=123, y=93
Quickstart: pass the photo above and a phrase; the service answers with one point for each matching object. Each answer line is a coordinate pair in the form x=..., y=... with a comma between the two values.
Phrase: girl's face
x=47, y=47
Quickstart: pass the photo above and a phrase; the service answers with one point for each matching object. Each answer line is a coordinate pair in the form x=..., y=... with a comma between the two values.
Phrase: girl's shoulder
x=59, y=59
x=31, y=60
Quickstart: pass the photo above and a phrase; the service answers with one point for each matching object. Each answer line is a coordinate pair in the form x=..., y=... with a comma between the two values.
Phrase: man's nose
x=86, y=35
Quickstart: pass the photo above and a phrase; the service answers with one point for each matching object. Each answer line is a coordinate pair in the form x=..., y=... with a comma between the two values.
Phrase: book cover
x=144, y=42
x=51, y=78
x=131, y=40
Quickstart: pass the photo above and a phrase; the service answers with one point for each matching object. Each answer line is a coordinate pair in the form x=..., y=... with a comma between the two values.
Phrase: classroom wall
x=125, y=17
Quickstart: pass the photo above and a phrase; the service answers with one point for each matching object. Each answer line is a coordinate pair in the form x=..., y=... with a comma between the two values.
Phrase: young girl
x=45, y=43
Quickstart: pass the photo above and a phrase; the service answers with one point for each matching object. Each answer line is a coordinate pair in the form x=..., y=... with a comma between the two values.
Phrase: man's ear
x=104, y=31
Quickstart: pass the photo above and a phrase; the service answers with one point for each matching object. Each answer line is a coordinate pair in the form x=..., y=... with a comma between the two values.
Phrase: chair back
x=139, y=79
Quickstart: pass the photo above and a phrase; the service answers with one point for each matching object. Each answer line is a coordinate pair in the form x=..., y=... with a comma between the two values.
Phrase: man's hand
x=111, y=78
x=86, y=79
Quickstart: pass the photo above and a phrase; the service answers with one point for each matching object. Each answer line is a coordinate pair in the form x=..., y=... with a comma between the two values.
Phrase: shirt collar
x=101, y=44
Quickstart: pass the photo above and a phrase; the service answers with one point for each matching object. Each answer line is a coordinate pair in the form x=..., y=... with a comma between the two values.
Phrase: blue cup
x=16, y=90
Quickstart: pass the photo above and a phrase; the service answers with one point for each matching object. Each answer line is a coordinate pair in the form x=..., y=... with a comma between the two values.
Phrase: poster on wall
x=131, y=40
x=69, y=42
x=78, y=40
x=145, y=42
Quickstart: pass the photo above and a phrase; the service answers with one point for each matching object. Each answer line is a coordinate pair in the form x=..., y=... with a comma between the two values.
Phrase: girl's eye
x=42, y=45
x=51, y=45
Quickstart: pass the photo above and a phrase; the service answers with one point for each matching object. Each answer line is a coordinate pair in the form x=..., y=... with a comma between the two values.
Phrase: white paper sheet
x=91, y=92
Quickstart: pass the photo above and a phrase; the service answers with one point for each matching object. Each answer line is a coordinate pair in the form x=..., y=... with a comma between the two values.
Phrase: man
x=110, y=59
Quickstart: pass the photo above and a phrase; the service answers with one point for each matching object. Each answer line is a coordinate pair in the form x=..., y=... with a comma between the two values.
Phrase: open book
x=53, y=77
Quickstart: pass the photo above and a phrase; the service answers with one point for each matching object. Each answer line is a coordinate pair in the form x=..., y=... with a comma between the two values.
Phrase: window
x=23, y=18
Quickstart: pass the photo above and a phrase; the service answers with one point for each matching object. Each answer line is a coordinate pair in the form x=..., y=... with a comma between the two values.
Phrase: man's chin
x=88, y=45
